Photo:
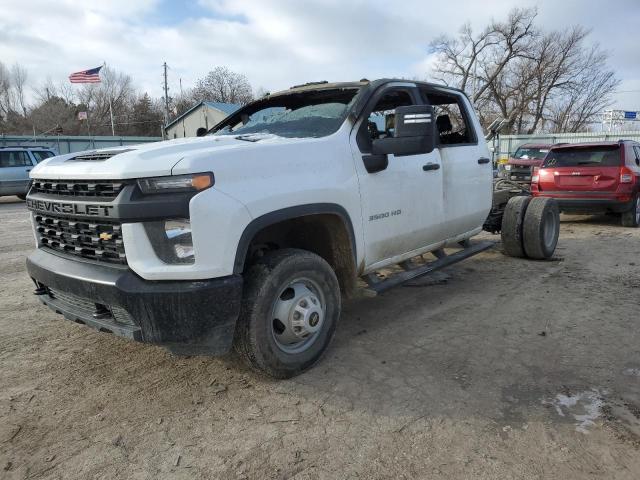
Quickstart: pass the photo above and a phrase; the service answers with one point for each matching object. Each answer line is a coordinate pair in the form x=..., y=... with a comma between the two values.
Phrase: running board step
x=442, y=261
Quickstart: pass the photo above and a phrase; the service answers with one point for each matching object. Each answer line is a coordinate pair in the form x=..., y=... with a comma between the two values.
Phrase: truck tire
x=632, y=217
x=290, y=310
x=512, y=221
x=22, y=196
x=541, y=228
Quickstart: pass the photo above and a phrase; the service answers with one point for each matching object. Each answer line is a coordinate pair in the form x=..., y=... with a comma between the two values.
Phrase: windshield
x=600, y=156
x=315, y=113
x=527, y=153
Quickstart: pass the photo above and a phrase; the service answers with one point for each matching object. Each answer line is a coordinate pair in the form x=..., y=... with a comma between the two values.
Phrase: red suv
x=593, y=178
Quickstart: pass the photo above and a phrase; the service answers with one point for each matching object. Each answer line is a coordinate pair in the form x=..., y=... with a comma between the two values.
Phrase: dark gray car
x=15, y=165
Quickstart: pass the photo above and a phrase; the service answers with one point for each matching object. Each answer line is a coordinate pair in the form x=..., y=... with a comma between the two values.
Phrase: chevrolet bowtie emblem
x=106, y=236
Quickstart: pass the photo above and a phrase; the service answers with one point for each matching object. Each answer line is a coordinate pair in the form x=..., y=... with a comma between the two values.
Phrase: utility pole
x=166, y=95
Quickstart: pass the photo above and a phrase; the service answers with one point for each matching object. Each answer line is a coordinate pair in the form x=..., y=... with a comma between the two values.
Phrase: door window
x=14, y=159
x=452, y=119
x=381, y=121
x=41, y=155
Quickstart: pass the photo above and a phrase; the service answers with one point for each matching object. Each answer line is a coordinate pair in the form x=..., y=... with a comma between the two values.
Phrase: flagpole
x=113, y=130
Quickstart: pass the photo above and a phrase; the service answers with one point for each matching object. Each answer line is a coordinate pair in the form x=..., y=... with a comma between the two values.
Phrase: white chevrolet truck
x=251, y=235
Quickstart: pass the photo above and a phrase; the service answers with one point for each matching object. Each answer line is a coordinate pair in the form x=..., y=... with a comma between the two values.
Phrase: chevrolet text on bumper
x=251, y=236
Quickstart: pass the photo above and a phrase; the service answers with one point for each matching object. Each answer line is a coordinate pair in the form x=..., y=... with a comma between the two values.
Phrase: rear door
x=15, y=166
x=466, y=166
x=582, y=170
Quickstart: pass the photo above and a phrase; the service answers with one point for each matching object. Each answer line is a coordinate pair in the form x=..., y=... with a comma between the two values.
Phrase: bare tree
x=223, y=85
x=19, y=79
x=116, y=89
x=7, y=104
x=513, y=70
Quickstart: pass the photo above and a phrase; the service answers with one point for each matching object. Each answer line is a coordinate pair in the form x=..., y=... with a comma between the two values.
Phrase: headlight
x=507, y=167
x=171, y=240
x=176, y=183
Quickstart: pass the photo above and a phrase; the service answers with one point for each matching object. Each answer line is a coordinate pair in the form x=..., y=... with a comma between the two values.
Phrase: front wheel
x=290, y=310
x=631, y=218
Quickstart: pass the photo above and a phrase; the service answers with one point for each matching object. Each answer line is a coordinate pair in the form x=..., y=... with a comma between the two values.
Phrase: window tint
x=381, y=121
x=452, y=120
x=14, y=159
x=598, y=156
x=41, y=155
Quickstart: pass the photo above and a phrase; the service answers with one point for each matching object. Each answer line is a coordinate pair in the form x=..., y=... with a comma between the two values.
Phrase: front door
x=402, y=204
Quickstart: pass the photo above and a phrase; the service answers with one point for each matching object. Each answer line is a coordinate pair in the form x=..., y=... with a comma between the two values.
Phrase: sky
x=279, y=43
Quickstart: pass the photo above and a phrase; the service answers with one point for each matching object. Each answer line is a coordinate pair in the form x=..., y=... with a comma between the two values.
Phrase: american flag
x=86, y=76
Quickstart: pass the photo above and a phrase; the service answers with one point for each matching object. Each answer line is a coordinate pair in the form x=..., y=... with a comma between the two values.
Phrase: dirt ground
x=498, y=368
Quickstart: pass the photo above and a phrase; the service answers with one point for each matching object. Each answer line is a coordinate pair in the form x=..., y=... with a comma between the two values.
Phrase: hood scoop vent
x=98, y=156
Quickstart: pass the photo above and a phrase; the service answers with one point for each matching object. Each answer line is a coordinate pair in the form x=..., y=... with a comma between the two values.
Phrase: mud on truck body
x=251, y=236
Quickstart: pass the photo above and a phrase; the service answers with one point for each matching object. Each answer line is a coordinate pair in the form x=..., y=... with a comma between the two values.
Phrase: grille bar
x=78, y=188
x=100, y=241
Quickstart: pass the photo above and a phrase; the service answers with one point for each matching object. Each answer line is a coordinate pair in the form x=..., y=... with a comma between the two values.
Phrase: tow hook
x=101, y=312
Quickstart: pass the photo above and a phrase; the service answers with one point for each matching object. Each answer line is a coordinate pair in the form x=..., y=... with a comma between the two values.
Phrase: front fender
x=217, y=223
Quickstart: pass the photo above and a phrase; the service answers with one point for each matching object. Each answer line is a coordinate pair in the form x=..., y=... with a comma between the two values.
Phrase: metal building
x=203, y=115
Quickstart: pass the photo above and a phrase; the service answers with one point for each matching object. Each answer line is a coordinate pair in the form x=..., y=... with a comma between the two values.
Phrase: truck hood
x=526, y=162
x=146, y=160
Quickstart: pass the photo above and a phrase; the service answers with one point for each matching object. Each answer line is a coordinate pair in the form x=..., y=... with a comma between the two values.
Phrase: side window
x=452, y=119
x=637, y=152
x=41, y=155
x=14, y=159
x=381, y=121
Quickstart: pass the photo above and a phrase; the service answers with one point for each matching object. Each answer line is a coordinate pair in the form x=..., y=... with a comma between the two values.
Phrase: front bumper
x=187, y=317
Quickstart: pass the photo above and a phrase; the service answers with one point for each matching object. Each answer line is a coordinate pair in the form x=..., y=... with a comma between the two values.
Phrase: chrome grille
x=100, y=241
x=78, y=188
x=87, y=307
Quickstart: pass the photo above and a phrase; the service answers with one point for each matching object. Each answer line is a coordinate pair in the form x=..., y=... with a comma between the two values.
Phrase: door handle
x=431, y=166
x=483, y=160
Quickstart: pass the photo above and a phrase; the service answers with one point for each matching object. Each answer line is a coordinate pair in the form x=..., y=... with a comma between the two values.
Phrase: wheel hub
x=298, y=315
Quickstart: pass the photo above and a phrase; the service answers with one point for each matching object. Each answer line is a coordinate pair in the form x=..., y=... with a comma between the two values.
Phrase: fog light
x=171, y=240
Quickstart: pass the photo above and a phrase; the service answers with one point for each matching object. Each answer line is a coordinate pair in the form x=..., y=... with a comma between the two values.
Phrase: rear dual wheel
x=530, y=227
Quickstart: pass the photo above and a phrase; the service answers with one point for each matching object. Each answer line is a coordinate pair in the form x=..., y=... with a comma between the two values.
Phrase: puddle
x=584, y=407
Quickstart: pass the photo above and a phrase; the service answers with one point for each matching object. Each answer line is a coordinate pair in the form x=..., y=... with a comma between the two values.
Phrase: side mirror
x=415, y=133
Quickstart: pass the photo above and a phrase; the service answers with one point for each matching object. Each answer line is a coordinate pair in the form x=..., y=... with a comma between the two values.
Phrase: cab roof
x=324, y=85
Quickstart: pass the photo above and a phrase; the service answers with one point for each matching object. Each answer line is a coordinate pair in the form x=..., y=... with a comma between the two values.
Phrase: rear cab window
x=584, y=156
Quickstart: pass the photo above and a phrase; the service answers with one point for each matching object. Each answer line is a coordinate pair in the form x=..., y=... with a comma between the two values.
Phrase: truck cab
x=251, y=235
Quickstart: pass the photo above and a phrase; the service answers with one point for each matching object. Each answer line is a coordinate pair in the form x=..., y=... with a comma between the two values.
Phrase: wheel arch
x=323, y=228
